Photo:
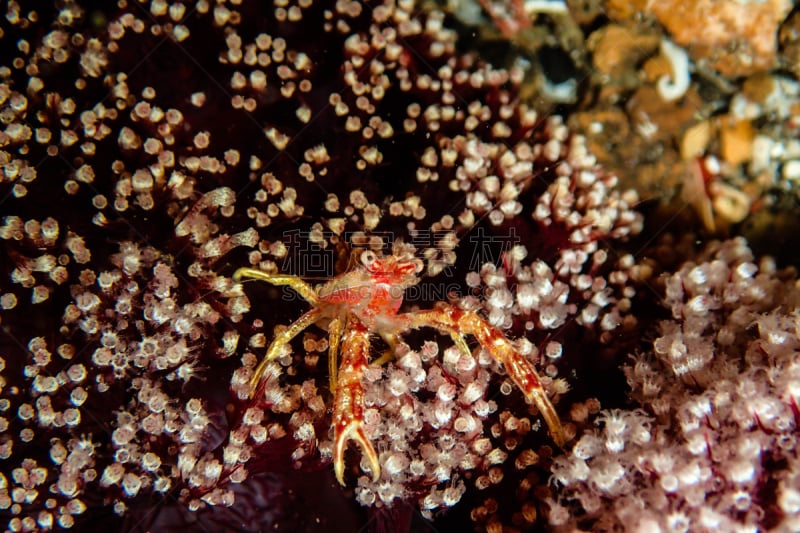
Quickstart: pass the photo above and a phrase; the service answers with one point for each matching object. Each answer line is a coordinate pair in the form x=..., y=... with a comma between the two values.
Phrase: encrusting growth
x=367, y=300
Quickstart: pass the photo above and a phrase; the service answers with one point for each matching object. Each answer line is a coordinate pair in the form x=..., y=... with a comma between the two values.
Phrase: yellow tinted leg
x=301, y=287
x=279, y=342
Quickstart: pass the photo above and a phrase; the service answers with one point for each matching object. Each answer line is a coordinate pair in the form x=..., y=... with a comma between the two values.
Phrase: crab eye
x=368, y=258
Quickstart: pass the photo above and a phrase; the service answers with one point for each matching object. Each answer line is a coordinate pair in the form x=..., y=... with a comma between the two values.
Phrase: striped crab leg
x=457, y=322
x=303, y=289
x=348, y=400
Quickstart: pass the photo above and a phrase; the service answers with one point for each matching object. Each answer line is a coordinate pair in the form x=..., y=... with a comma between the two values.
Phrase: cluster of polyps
x=715, y=426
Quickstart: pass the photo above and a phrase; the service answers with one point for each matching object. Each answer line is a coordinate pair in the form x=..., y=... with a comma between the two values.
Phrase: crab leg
x=457, y=322
x=283, y=338
x=348, y=402
x=301, y=287
x=460, y=342
x=391, y=341
x=335, y=329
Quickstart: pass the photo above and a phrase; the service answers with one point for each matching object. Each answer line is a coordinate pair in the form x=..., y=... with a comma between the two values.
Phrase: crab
x=366, y=300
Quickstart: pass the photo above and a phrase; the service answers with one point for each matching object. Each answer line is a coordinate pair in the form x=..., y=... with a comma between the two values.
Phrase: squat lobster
x=366, y=300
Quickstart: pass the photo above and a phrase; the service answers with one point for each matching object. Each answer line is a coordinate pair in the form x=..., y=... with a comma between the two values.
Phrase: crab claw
x=348, y=400
x=459, y=323
x=352, y=430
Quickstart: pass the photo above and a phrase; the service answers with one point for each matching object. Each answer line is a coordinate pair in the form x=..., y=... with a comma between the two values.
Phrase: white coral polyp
x=706, y=434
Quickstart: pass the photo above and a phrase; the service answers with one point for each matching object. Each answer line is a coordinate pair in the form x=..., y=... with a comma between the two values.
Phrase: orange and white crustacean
x=364, y=301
